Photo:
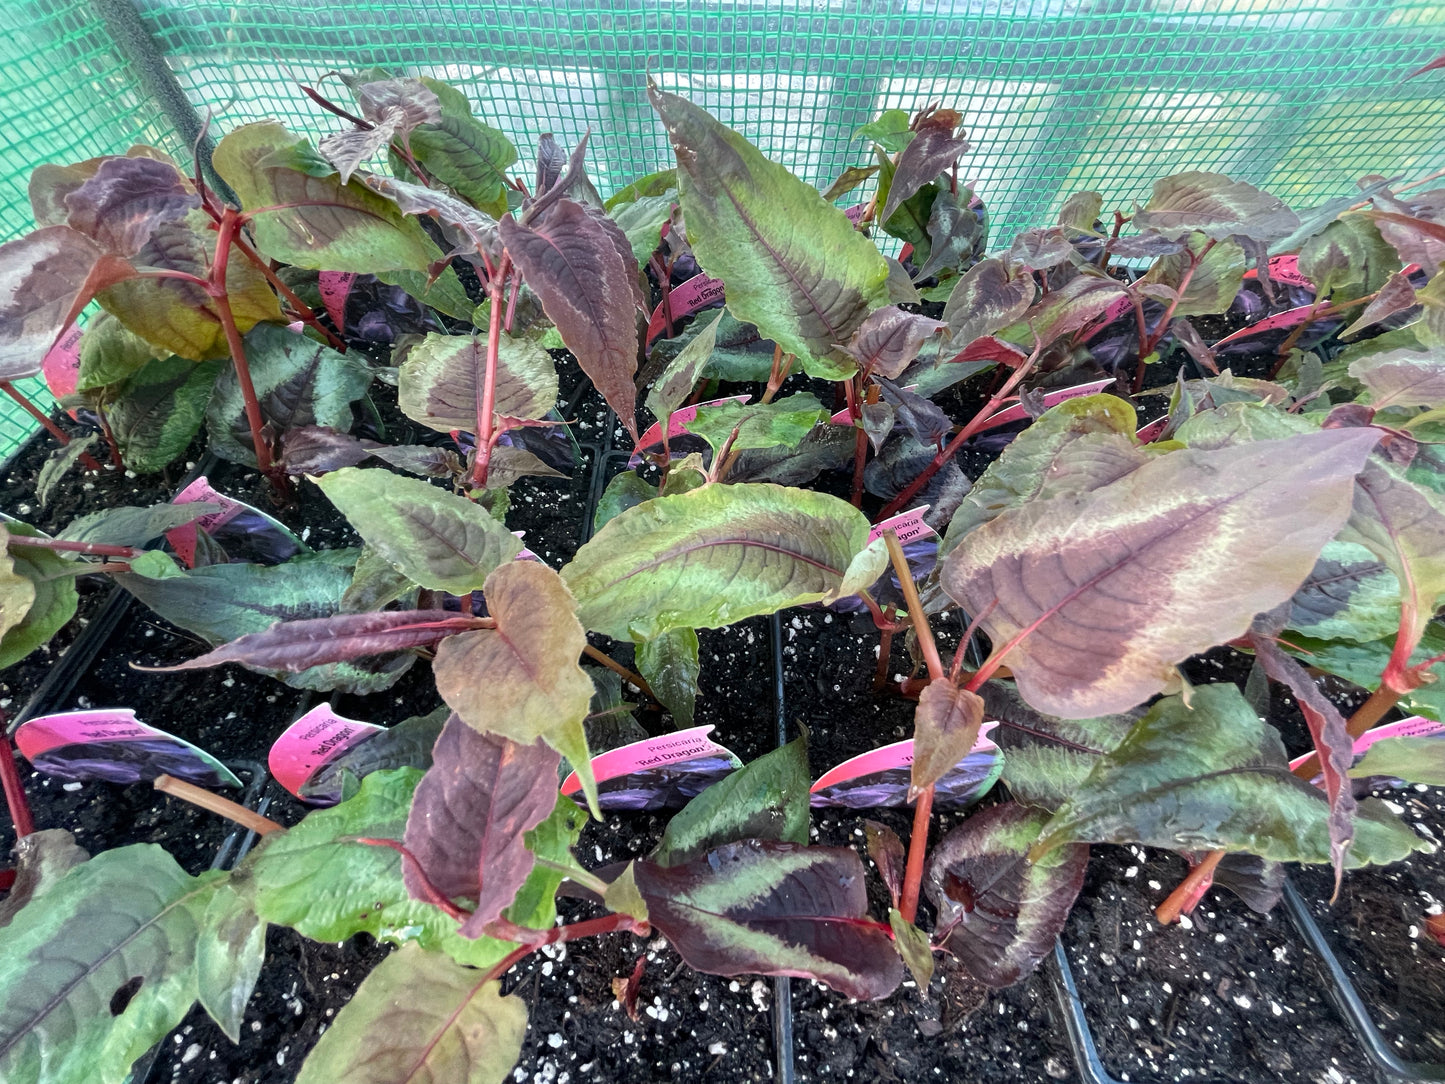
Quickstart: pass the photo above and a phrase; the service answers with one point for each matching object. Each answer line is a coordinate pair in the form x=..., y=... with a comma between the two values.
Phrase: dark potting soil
x=1377, y=929
x=702, y=1027
x=77, y=493
x=1226, y=995
x=691, y=1027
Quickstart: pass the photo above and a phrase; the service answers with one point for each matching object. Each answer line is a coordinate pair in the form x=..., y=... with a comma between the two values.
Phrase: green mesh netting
x=1301, y=97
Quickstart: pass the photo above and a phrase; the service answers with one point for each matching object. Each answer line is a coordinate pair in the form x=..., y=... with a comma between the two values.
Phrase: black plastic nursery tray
x=1232, y=997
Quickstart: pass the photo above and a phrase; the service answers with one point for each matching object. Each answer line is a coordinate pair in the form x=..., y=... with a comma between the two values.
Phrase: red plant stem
x=664, y=286
x=1186, y=896
x=433, y=895
x=331, y=107
x=917, y=849
x=230, y=223
x=777, y=374
x=977, y=423
x=115, y=460
x=885, y=653
x=1195, y=259
x=923, y=810
x=724, y=458
x=95, y=549
x=1143, y=341
x=512, y=303
x=50, y=427
x=15, y=799
x=486, y=407
x=404, y=152
x=299, y=307
x=860, y=464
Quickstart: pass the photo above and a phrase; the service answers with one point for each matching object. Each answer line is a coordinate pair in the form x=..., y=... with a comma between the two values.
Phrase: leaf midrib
x=65, y=991
x=683, y=551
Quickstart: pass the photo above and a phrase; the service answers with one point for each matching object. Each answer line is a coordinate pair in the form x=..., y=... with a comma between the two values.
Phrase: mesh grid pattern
x=1299, y=96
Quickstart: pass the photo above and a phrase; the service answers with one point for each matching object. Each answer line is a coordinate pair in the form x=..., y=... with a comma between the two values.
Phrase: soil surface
x=1231, y=996
x=1377, y=929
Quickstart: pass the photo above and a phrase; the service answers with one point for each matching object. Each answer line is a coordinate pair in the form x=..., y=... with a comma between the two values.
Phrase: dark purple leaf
x=121, y=206
x=766, y=908
x=395, y=107
x=1216, y=206
x=409, y=101
x=469, y=232
x=1080, y=211
x=919, y=416
x=932, y=150
x=50, y=276
x=1144, y=246
x=945, y=727
x=1097, y=578
x=551, y=161
x=1327, y=728
x=1002, y=911
x=293, y=646
x=467, y=820
x=1257, y=881
x=1040, y=249
x=876, y=419
x=889, y=339
x=349, y=149
x=1396, y=295
x=1416, y=238
x=573, y=264
x=956, y=234
x=990, y=296
x=316, y=449
x=1187, y=336
x=1065, y=310
x=429, y=462
x=886, y=850
x=902, y=459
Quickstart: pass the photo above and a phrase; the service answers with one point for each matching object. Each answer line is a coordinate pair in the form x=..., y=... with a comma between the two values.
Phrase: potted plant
x=1291, y=510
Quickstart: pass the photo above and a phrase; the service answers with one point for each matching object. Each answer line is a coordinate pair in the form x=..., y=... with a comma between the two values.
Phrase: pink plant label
x=526, y=554
x=245, y=532
x=311, y=742
x=1288, y=318
x=671, y=770
x=1283, y=269
x=677, y=424
x=1117, y=308
x=335, y=288
x=659, y=772
x=183, y=539
x=111, y=744
x=1150, y=432
x=1417, y=726
x=856, y=212
x=61, y=365
x=909, y=526
x=882, y=777
x=695, y=293
x=1017, y=413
